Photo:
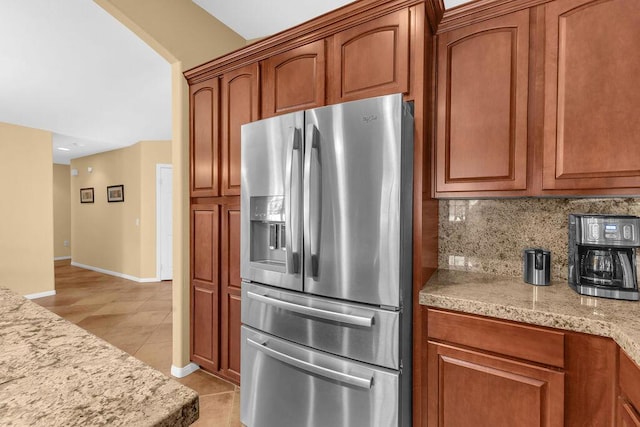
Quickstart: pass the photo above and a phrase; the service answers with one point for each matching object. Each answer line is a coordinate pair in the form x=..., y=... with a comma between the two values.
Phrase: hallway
x=137, y=318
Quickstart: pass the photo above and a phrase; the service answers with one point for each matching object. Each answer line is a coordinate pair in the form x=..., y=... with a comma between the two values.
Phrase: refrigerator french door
x=326, y=266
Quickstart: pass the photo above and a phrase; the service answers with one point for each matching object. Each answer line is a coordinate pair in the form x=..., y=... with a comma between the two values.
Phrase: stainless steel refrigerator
x=326, y=266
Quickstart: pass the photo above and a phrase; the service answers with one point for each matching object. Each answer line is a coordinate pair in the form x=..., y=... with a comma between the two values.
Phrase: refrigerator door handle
x=292, y=207
x=310, y=367
x=313, y=197
x=366, y=321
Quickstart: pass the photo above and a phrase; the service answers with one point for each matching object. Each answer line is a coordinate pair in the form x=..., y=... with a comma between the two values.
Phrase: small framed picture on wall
x=115, y=193
x=86, y=195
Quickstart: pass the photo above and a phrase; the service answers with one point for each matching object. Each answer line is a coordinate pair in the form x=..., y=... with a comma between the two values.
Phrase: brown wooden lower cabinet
x=488, y=372
x=590, y=392
x=627, y=415
x=629, y=399
x=469, y=388
x=204, y=285
x=230, y=293
x=215, y=287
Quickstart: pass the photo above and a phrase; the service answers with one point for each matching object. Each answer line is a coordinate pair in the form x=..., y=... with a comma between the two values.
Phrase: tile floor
x=136, y=317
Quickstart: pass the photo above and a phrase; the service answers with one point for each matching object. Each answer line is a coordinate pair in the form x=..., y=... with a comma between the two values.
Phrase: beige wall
x=113, y=236
x=26, y=225
x=181, y=217
x=186, y=36
x=179, y=30
x=61, y=211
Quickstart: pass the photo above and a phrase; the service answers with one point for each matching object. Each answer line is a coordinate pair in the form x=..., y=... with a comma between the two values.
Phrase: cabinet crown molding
x=316, y=29
x=442, y=20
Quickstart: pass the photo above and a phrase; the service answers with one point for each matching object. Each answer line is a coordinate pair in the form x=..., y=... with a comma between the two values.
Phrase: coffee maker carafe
x=602, y=255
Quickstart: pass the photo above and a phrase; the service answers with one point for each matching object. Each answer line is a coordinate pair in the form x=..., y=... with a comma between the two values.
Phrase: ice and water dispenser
x=268, y=232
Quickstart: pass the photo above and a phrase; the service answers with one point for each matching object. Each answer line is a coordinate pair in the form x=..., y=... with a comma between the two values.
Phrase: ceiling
x=448, y=4
x=258, y=18
x=70, y=68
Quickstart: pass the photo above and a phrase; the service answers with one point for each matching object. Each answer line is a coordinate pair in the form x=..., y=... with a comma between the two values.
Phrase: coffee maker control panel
x=609, y=230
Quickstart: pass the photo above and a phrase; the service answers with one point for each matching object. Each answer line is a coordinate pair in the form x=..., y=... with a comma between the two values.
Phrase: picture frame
x=115, y=193
x=86, y=195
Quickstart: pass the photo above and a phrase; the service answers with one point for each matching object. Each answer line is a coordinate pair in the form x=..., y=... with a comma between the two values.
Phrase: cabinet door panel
x=627, y=415
x=467, y=388
x=205, y=236
x=591, y=99
x=590, y=380
x=230, y=292
x=204, y=104
x=204, y=335
x=204, y=286
x=371, y=59
x=231, y=335
x=240, y=105
x=482, y=96
x=629, y=378
x=294, y=80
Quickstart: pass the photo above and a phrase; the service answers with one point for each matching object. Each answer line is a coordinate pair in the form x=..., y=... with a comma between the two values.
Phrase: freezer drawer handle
x=310, y=367
x=315, y=312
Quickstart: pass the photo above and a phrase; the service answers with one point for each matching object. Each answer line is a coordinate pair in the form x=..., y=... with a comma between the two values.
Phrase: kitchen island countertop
x=556, y=305
x=53, y=373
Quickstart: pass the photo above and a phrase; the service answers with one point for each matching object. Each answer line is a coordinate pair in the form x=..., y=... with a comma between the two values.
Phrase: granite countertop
x=53, y=373
x=556, y=305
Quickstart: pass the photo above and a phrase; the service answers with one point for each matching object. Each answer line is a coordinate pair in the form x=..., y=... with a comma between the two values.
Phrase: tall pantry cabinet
x=369, y=48
x=219, y=106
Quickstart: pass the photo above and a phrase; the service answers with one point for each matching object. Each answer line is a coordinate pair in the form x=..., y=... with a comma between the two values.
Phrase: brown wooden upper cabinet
x=370, y=59
x=204, y=134
x=240, y=105
x=482, y=95
x=294, y=80
x=584, y=65
x=591, y=124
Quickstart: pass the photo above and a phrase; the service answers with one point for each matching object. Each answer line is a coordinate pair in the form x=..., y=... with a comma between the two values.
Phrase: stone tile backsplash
x=488, y=236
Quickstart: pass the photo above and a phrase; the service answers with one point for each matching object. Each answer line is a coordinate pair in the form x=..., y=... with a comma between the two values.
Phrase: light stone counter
x=556, y=306
x=53, y=373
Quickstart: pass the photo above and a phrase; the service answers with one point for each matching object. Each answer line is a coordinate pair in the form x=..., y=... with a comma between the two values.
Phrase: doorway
x=164, y=221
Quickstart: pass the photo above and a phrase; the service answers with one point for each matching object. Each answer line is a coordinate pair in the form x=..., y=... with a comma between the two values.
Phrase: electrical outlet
x=66, y=243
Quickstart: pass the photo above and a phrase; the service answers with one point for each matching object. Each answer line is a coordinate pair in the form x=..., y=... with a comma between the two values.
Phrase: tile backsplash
x=488, y=236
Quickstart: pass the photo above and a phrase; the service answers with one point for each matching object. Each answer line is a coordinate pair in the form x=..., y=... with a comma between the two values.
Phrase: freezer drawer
x=356, y=331
x=288, y=385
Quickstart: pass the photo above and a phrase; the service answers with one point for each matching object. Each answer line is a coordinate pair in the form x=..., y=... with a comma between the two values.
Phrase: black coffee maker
x=602, y=256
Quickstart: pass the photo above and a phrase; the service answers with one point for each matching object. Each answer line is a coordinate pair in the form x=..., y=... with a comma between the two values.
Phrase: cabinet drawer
x=520, y=341
x=629, y=378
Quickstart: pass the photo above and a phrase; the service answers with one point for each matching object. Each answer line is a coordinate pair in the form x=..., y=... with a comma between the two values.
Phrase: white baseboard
x=40, y=295
x=148, y=280
x=115, y=273
x=183, y=372
x=61, y=258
